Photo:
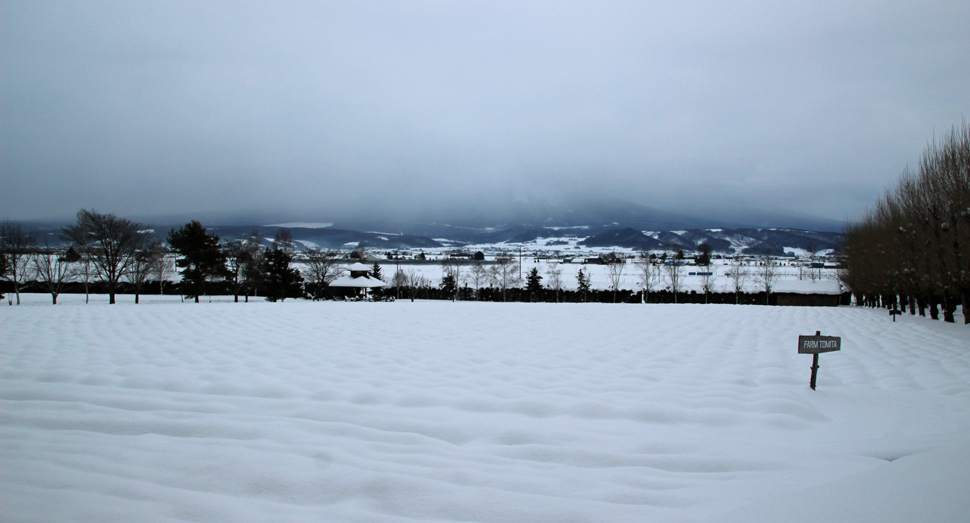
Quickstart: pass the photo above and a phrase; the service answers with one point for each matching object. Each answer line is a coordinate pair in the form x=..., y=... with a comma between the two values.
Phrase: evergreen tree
x=376, y=272
x=704, y=258
x=448, y=285
x=279, y=280
x=533, y=283
x=199, y=256
x=582, y=284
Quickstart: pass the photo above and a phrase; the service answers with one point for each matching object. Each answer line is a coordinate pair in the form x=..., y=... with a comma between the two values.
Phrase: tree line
x=109, y=254
x=912, y=248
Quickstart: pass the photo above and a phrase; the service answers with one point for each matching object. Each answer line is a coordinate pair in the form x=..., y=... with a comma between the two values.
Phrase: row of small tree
x=101, y=246
x=651, y=271
x=913, y=247
x=115, y=251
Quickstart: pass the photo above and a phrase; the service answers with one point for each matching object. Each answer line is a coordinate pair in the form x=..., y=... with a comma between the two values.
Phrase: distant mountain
x=593, y=216
x=741, y=241
x=600, y=222
x=330, y=238
x=629, y=238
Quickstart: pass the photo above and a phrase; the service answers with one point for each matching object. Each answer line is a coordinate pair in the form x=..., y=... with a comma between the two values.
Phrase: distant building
x=358, y=281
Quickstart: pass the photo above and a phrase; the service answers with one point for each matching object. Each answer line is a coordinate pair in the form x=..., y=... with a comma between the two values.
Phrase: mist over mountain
x=597, y=222
x=596, y=215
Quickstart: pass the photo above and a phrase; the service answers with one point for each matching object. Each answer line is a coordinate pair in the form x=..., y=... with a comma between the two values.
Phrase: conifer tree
x=582, y=284
x=448, y=285
x=533, y=283
x=279, y=279
x=199, y=256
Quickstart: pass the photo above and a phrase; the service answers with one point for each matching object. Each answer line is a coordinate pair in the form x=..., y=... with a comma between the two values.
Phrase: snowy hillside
x=303, y=411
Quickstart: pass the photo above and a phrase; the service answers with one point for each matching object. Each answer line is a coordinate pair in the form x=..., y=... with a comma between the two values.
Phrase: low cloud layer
x=319, y=109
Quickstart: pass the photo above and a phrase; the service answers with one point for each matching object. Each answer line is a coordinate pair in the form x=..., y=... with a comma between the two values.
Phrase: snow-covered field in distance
x=333, y=411
x=790, y=278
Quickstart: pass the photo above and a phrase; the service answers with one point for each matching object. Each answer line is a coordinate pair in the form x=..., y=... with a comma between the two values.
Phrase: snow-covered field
x=327, y=411
x=791, y=278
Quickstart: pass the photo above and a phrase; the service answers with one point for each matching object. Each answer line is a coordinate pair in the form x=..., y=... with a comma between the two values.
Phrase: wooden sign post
x=893, y=313
x=815, y=345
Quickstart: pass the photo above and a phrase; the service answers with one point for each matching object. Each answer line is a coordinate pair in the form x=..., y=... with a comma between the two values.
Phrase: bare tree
x=738, y=274
x=144, y=265
x=766, y=276
x=239, y=252
x=16, y=245
x=415, y=280
x=163, y=269
x=646, y=274
x=674, y=271
x=400, y=280
x=86, y=270
x=707, y=283
x=54, y=269
x=322, y=268
x=615, y=271
x=505, y=273
x=284, y=241
x=81, y=250
x=112, y=243
x=251, y=271
x=554, y=280
x=812, y=257
x=254, y=274
x=479, y=277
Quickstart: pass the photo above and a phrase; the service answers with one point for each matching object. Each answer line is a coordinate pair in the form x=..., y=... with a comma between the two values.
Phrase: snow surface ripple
x=455, y=411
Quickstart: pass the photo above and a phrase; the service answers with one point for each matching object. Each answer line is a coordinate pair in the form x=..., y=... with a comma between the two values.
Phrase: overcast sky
x=316, y=107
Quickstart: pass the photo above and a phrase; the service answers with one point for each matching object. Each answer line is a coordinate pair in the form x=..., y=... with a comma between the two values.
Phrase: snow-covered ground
x=330, y=411
x=790, y=278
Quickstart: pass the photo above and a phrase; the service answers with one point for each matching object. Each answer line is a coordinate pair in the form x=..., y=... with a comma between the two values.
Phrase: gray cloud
x=320, y=108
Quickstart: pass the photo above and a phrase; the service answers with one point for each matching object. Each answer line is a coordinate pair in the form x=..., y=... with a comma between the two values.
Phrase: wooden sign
x=818, y=344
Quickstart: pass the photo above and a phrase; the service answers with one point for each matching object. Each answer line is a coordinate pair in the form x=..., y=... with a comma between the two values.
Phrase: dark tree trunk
x=965, y=295
x=949, y=306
